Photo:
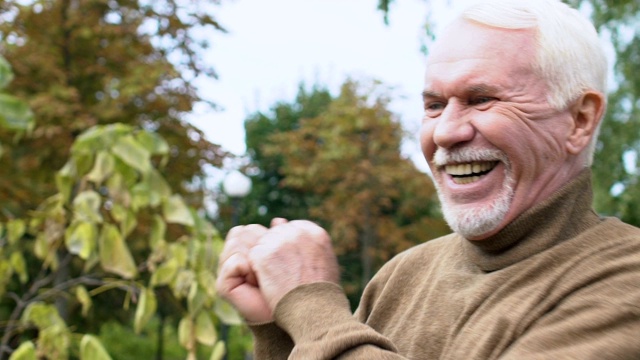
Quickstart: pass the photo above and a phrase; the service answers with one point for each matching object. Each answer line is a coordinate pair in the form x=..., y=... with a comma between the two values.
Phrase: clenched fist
x=258, y=266
x=237, y=281
x=292, y=254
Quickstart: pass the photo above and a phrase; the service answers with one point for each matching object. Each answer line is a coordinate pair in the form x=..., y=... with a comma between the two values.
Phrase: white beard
x=468, y=220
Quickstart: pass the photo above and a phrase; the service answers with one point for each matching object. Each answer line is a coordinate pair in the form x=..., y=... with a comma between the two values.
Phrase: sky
x=273, y=46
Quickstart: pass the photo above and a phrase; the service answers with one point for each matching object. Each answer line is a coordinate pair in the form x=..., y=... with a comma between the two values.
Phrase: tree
x=15, y=115
x=616, y=169
x=268, y=198
x=80, y=63
x=110, y=193
x=85, y=63
x=374, y=202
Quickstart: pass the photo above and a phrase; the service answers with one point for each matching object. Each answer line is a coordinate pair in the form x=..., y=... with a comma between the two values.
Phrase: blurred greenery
x=107, y=205
x=617, y=162
x=125, y=344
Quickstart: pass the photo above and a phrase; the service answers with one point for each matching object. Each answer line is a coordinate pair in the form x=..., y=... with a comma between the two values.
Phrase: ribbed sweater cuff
x=308, y=311
x=270, y=341
x=319, y=319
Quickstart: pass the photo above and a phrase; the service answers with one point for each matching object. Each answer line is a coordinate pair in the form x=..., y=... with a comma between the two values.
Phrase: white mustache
x=444, y=157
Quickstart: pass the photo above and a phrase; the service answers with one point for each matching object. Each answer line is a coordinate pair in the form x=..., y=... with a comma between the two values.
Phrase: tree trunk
x=366, y=244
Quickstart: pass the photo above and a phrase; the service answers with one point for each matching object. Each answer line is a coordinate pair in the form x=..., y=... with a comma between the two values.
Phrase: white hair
x=569, y=55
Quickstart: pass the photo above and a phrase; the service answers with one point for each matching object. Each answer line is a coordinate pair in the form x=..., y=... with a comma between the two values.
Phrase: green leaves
x=218, y=351
x=26, y=351
x=111, y=200
x=86, y=207
x=14, y=113
x=227, y=313
x=92, y=230
x=200, y=329
x=54, y=337
x=205, y=331
x=19, y=266
x=15, y=230
x=616, y=175
x=119, y=148
x=6, y=74
x=103, y=167
x=132, y=153
x=81, y=238
x=146, y=309
x=92, y=349
x=84, y=299
x=176, y=211
x=115, y=256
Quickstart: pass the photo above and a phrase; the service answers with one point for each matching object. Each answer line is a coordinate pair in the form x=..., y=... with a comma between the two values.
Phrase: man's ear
x=586, y=112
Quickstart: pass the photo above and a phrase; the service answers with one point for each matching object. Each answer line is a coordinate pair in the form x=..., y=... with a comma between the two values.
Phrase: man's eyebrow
x=430, y=94
x=476, y=89
x=480, y=89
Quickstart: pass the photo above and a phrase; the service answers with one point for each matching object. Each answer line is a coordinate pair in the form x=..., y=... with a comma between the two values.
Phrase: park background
x=118, y=126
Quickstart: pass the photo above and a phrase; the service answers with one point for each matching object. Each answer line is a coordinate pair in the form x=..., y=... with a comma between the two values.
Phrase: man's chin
x=476, y=223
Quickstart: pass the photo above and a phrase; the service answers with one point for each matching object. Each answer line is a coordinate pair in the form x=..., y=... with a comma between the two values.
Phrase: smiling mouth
x=467, y=173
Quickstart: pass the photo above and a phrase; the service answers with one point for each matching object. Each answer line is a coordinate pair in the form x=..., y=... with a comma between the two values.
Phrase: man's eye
x=433, y=109
x=434, y=106
x=480, y=100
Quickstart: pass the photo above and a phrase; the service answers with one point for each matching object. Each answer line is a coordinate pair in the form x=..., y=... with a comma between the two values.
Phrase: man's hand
x=292, y=254
x=237, y=280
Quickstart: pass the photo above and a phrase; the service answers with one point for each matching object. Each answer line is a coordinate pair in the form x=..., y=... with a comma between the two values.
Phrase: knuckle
x=220, y=285
x=241, y=231
x=235, y=231
x=314, y=231
x=255, y=229
x=229, y=249
x=267, y=252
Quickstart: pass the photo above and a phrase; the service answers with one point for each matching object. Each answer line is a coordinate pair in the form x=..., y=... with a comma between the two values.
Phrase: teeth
x=469, y=168
x=465, y=180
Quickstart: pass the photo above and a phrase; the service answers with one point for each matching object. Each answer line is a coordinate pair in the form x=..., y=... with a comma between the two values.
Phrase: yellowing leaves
x=165, y=273
x=83, y=211
x=205, y=331
x=227, y=313
x=81, y=238
x=19, y=266
x=176, y=211
x=84, y=299
x=103, y=167
x=198, y=330
x=86, y=207
x=92, y=349
x=115, y=256
x=26, y=351
x=15, y=229
x=145, y=310
x=132, y=153
x=15, y=114
x=6, y=75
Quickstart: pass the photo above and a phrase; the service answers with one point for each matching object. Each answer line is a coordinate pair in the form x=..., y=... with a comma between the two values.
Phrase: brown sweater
x=557, y=283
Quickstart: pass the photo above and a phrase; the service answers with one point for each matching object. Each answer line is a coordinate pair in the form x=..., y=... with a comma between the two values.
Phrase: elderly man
x=513, y=99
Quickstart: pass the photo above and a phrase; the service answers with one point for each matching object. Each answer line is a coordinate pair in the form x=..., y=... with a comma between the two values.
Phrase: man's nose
x=453, y=126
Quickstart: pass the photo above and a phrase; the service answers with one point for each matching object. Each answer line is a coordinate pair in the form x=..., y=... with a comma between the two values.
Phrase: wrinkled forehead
x=465, y=39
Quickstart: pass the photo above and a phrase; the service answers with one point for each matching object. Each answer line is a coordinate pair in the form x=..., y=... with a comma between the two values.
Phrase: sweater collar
x=562, y=216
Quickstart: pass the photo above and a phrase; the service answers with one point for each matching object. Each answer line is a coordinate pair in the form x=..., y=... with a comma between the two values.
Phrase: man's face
x=493, y=143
